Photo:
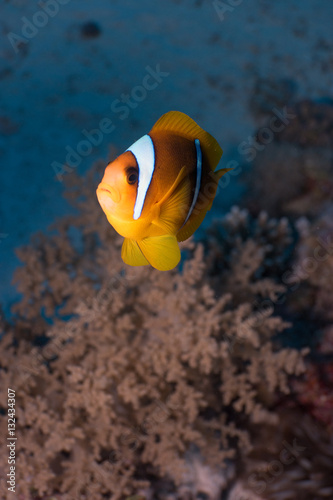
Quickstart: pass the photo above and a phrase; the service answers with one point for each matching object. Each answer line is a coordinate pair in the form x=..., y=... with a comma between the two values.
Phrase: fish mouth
x=109, y=190
x=104, y=189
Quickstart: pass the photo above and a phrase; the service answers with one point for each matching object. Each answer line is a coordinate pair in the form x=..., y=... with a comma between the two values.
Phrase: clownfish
x=158, y=191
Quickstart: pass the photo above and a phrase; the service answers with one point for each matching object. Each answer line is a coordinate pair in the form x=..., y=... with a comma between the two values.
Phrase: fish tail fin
x=216, y=176
x=219, y=173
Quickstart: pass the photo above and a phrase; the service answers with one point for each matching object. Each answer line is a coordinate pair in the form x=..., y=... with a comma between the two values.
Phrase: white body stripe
x=144, y=152
x=198, y=179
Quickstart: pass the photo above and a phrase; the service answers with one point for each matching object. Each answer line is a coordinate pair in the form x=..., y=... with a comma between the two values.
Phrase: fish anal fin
x=191, y=226
x=203, y=204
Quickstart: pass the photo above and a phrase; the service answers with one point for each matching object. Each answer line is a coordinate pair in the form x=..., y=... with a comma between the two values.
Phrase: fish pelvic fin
x=131, y=253
x=182, y=124
x=162, y=252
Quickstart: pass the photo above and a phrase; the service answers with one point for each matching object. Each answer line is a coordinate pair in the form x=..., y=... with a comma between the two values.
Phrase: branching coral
x=314, y=261
x=298, y=164
x=120, y=372
x=292, y=169
x=292, y=461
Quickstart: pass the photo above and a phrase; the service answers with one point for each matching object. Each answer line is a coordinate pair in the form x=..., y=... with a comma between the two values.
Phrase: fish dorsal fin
x=180, y=123
x=132, y=255
x=162, y=252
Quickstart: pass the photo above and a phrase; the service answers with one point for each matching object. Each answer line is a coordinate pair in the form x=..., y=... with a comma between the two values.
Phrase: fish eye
x=132, y=175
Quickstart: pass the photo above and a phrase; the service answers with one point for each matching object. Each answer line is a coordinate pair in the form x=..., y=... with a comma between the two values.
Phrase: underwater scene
x=166, y=250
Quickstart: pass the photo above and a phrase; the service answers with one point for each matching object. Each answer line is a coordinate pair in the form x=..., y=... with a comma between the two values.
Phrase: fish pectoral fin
x=181, y=175
x=131, y=253
x=162, y=252
x=174, y=209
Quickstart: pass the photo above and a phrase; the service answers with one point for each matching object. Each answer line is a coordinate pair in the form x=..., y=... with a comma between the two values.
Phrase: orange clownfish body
x=158, y=191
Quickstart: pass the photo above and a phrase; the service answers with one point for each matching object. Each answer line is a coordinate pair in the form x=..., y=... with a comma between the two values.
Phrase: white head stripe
x=143, y=150
x=198, y=179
